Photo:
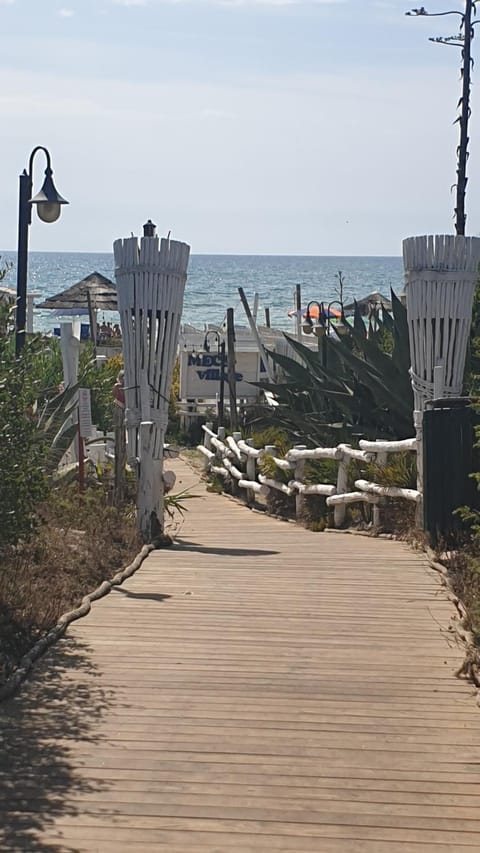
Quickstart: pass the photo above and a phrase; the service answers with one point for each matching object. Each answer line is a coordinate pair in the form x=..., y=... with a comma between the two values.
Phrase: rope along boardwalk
x=256, y=688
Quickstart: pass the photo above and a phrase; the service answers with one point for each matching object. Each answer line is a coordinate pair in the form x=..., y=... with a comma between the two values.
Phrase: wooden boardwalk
x=256, y=688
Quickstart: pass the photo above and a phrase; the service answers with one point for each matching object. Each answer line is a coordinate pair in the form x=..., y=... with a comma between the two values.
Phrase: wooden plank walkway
x=256, y=688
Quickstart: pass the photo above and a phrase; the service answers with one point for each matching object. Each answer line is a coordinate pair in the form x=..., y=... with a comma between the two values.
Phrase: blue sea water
x=213, y=281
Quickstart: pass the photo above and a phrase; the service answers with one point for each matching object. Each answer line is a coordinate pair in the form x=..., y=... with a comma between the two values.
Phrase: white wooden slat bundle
x=151, y=276
x=440, y=276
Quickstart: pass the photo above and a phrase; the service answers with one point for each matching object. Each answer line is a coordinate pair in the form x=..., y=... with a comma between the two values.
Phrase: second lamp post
x=221, y=356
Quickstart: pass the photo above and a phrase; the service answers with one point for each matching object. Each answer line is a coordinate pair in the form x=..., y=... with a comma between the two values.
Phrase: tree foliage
x=22, y=478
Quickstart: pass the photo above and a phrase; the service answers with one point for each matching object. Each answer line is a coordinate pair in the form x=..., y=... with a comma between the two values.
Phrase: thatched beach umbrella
x=102, y=292
x=372, y=302
x=93, y=293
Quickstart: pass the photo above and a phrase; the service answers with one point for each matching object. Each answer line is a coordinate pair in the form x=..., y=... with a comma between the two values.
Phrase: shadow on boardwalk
x=63, y=705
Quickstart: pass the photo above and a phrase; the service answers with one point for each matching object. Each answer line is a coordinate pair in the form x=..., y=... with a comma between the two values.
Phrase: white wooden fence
x=230, y=457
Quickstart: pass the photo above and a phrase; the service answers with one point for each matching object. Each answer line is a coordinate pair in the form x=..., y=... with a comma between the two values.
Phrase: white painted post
x=298, y=476
x=207, y=443
x=251, y=468
x=340, y=510
x=381, y=459
x=30, y=305
x=151, y=277
x=70, y=347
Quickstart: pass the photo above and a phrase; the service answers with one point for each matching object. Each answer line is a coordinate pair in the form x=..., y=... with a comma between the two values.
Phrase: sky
x=320, y=127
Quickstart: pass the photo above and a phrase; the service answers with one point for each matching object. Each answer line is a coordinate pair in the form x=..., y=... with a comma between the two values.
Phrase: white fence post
x=70, y=348
x=340, y=510
x=151, y=277
x=298, y=474
x=251, y=469
x=381, y=459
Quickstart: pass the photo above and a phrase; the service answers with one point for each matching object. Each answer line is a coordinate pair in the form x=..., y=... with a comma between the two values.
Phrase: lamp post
x=221, y=355
x=463, y=39
x=322, y=328
x=48, y=203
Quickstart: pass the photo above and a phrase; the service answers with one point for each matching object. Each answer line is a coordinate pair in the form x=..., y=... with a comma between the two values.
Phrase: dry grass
x=81, y=541
x=464, y=576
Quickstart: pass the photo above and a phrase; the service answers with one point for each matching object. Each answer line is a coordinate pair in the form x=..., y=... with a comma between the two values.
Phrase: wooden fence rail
x=229, y=457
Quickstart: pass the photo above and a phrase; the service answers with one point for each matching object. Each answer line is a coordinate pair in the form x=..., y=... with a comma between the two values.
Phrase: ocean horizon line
x=203, y=254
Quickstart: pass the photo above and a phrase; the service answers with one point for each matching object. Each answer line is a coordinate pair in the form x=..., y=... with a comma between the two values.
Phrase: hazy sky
x=249, y=126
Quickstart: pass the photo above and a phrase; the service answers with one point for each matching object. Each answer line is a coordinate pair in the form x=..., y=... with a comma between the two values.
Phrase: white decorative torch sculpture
x=151, y=276
x=440, y=277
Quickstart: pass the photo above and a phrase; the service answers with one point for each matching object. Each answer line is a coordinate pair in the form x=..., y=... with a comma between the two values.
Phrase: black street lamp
x=221, y=355
x=48, y=203
x=322, y=327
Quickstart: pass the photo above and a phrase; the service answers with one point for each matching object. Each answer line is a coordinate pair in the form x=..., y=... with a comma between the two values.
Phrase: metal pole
x=221, y=399
x=24, y=220
x=298, y=307
x=267, y=317
x=325, y=323
x=232, y=385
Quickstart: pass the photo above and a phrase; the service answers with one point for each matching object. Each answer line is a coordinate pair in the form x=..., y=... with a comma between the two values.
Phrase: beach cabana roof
x=102, y=291
x=372, y=300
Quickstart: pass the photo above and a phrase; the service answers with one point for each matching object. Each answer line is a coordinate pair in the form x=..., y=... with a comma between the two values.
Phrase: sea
x=213, y=282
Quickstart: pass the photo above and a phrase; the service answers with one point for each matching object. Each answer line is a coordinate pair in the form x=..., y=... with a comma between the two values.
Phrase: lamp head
x=319, y=330
x=48, y=201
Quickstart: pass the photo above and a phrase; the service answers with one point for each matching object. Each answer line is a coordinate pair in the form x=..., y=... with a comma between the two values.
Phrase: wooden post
x=299, y=472
x=150, y=486
x=81, y=461
x=207, y=443
x=255, y=306
x=298, y=308
x=93, y=323
x=119, y=482
x=267, y=317
x=381, y=459
x=70, y=347
x=339, y=511
x=256, y=335
x=251, y=469
x=232, y=384
x=221, y=399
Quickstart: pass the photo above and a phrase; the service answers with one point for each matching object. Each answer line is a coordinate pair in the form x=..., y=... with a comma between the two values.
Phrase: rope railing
x=232, y=458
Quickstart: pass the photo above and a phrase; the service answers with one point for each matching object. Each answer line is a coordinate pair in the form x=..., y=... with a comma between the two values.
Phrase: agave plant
x=57, y=427
x=360, y=389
